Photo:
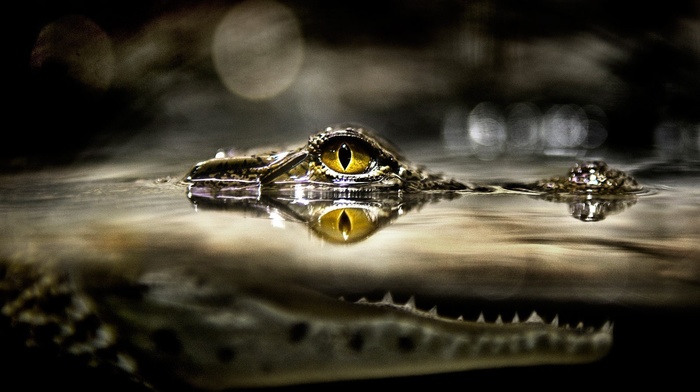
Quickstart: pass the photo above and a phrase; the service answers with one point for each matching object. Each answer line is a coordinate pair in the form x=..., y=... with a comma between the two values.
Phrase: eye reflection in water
x=345, y=224
x=340, y=221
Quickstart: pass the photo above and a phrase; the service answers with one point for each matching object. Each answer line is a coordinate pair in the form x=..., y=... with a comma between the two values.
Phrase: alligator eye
x=347, y=156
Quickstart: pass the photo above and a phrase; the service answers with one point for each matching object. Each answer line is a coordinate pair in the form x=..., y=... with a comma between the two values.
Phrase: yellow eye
x=347, y=156
x=345, y=225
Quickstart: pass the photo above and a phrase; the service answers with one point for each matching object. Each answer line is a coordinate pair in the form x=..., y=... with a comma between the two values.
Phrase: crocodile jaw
x=260, y=336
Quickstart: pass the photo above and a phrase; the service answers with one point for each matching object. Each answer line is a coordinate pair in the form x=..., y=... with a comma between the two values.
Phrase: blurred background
x=485, y=78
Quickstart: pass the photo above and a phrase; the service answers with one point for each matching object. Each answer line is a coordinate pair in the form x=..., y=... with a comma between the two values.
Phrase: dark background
x=398, y=66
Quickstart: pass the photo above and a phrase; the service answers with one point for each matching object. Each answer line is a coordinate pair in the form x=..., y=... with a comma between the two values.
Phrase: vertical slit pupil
x=344, y=223
x=344, y=155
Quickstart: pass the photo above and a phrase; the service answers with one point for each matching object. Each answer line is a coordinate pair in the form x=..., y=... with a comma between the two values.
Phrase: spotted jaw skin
x=169, y=327
x=316, y=339
x=272, y=336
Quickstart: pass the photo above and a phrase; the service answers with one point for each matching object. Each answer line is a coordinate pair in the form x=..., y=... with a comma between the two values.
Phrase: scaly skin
x=371, y=166
x=168, y=327
x=590, y=178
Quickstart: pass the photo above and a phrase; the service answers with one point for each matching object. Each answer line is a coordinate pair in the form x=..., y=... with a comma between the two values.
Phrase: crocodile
x=164, y=323
x=352, y=159
x=347, y=177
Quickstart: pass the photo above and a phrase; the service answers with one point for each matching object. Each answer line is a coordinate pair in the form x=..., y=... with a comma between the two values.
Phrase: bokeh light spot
x=566, y=126
x=76, y=49
x=486, y=130
x=258, y=49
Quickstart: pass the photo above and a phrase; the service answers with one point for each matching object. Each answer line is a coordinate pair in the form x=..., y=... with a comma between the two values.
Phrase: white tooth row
x=410, y=306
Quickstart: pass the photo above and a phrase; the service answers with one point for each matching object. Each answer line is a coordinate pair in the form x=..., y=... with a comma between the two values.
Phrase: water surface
x=500, y=253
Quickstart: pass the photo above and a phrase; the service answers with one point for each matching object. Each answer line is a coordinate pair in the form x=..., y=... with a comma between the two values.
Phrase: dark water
x=500, y=253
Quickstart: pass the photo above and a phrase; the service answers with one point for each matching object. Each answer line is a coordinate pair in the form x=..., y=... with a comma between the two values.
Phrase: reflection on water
x=590, y=209
x=349, y=219
x=344, y=220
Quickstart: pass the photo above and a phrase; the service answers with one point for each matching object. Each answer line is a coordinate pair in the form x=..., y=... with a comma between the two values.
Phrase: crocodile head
x=347, y=157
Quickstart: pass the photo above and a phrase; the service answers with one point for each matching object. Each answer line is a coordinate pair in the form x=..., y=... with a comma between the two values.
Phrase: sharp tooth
x=579, y=326
x=555, y=320
x=433, y=311
x=607, y=327
x=516, y=319
x=362, y=300
x=411, y=303
x=388, y=300
x=499, y=319
x=534, y=318
x=481, y=318
x=460, y=318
